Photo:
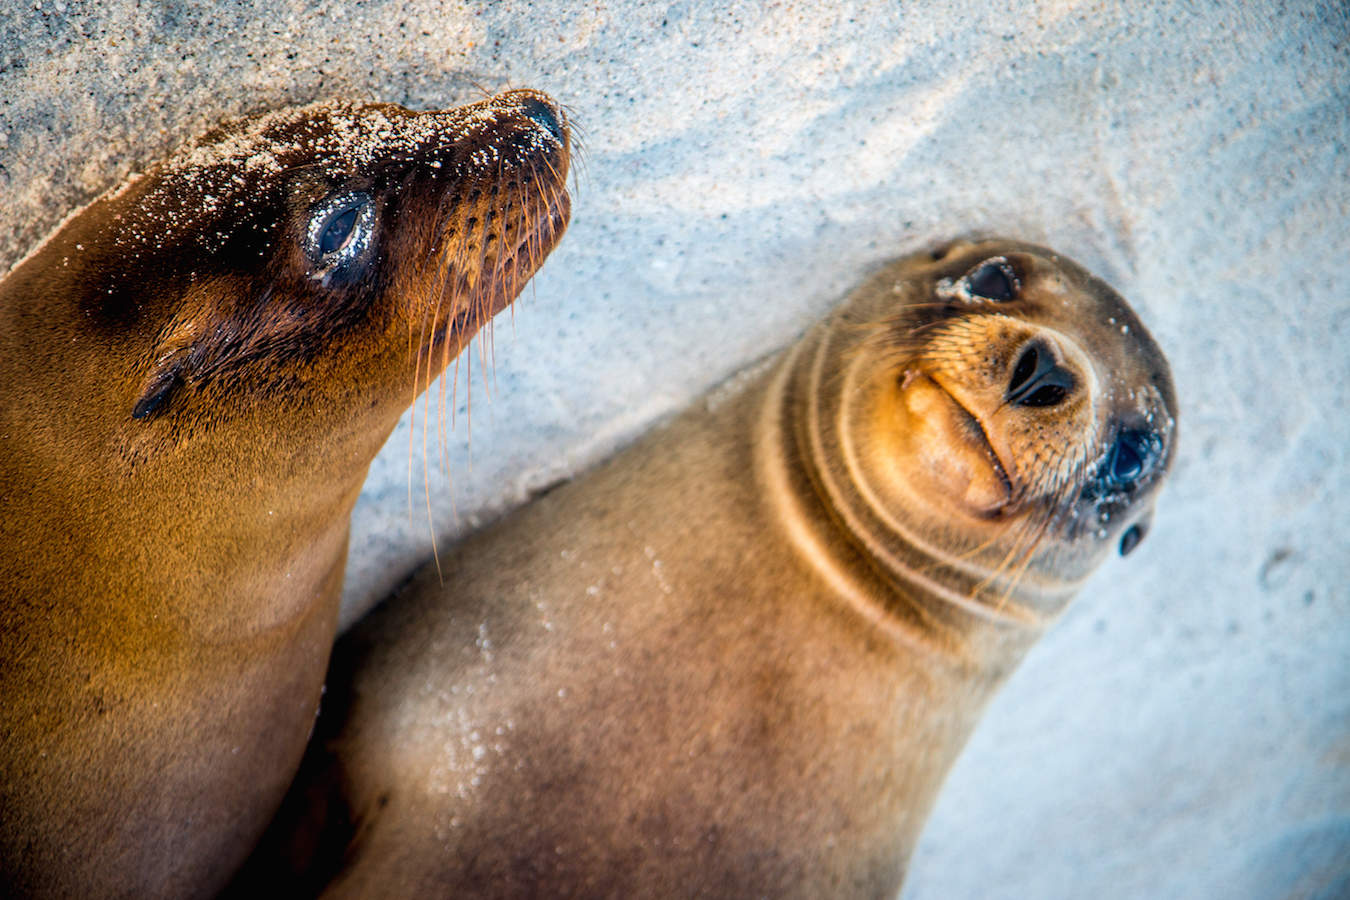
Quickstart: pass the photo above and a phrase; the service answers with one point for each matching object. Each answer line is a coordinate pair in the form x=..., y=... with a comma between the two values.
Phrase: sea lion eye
x=1132, y=456
x=340, y=228
x=993, y=279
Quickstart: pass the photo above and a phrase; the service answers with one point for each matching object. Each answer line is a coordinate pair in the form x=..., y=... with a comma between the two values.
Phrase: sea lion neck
x=892, y=582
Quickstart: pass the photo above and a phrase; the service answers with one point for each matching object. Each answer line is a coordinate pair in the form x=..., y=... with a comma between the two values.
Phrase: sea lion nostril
x=543, y=114
x=1037, y=380
x=1127, y=464
x=1132, y=457
x=1026, y=366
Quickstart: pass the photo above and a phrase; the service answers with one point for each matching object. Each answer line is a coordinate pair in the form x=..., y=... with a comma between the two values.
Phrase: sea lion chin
x=739, y=658
x=195, y=373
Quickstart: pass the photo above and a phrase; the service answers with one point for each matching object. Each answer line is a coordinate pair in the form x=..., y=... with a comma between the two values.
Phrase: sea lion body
x=739, y=658
x=195, y=373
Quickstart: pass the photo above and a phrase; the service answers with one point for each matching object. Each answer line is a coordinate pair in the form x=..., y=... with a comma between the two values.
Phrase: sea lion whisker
x=417, y=390
x=488, y=348
x=1017, y=569
x=266, y=290
x=454, y=390
x=556, y=179
x=581, y=170
x=528, y=217
x=468, y=396
x=1014, y=538
x=441, y=399
x=426, y=494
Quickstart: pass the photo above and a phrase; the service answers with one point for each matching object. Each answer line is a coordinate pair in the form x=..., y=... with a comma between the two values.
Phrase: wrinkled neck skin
x=947, y=609
x=961, y=620
x=953, y=628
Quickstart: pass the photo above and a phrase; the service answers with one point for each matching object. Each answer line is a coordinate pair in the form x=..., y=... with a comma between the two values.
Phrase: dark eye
x=338, y=229
x=993, y=280
x=1132, y=455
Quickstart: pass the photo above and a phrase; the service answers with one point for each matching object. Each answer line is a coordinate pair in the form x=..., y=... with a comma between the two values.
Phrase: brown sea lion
x=195, y=373
x=739, y=659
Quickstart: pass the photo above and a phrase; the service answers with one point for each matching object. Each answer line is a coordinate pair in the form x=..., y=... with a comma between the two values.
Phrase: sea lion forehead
x=238, y=173
x=345, y=136
x=1054, y=291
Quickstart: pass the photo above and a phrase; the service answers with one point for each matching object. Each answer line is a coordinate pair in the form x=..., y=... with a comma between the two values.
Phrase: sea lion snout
x=999, y=421
x=542, y=110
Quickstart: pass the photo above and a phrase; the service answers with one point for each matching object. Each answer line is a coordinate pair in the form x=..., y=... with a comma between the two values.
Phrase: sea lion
x=738, y=659
x=195, y=374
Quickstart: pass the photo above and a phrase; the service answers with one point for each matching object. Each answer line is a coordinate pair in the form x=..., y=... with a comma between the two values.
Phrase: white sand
x=1185, y=730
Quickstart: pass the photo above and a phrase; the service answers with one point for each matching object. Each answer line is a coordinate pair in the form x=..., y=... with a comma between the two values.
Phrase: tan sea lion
x=739, y=659
x=195, y=373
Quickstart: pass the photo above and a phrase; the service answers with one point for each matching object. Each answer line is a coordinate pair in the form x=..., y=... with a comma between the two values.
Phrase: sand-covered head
x=322, y=250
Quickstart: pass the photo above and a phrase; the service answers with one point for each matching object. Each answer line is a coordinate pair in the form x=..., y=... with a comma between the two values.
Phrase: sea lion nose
x=544, y=113
x=1037, y=379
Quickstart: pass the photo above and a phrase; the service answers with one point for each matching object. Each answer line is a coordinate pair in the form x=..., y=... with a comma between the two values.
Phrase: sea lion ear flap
x=942, y=251
x=169, y=371
x=159, y=388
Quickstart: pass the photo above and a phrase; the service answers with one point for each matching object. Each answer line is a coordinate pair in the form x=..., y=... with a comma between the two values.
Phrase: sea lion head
x=318, y=265
x=1004, y=420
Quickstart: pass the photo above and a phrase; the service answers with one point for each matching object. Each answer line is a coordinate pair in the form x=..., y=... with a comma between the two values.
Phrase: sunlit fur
x=190, y=399
x=910, y=335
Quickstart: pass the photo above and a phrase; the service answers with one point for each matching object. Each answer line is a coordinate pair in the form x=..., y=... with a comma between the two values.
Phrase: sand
x=1185, y=730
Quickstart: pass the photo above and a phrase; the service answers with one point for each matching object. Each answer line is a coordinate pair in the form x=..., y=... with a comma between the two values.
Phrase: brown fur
x=188, y=407
x=738, y=659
